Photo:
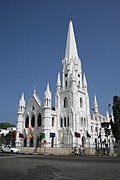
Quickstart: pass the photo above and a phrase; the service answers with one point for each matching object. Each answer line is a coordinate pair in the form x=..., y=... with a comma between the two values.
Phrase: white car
x=10, y=149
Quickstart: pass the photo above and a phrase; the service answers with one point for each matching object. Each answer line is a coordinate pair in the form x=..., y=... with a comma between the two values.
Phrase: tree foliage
x=116, y=114
x=6, y=125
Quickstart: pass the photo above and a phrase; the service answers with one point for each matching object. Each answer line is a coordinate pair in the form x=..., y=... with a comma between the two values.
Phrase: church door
x=52, y=142
x=83, y=141
x=38, y=140
x=25, y=142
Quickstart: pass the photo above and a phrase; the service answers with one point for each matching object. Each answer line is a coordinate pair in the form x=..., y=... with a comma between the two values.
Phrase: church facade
x=69, y=123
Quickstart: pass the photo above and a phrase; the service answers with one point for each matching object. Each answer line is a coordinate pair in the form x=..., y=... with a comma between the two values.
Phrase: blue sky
x=32, y=46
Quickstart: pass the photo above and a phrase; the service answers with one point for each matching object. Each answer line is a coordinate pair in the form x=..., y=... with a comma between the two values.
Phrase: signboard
x=42, y=135
x=52, y=135
x=77, y=135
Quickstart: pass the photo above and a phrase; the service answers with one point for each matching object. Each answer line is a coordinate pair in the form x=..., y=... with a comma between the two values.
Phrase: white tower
x=73, y=108
x=19, y=126
x=95, y=106
x=47, y=115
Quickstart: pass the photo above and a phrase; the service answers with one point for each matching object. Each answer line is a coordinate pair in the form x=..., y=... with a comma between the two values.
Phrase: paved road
x=39, y=167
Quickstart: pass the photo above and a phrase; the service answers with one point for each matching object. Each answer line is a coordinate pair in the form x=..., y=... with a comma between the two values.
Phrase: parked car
x=10, y=149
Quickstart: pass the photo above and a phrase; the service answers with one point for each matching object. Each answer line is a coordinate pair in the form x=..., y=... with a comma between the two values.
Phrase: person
x=81, y=150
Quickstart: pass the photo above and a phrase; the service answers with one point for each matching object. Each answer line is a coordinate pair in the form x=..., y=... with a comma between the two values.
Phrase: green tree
x=6, y=125
x=116, y=113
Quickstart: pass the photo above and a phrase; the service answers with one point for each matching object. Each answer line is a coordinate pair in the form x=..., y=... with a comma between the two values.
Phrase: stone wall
x=46, y=151
x=68, y=151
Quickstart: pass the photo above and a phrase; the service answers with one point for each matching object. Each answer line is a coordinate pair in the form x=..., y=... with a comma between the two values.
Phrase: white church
x=69, y=123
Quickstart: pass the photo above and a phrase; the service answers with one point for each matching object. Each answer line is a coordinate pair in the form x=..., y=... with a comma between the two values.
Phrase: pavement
x=41, y=167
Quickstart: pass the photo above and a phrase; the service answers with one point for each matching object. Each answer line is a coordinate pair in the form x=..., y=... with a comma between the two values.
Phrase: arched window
x=25, y=142
x=78, y=84
x=27, y=122
x=84, y=122
x=81, y=103
x=81, y=121
x=68, y=121
x=47, y=101
x=96, y=129
x=33, y=121
x=61, y=122
x=64, y=121
x=53, y=121
x=65, y=102
x=66, y=75
x=39, y=120
x=33, y=108
x=65, y=84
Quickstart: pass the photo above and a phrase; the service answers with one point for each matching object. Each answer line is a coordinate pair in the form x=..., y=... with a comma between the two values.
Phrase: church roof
x=37, y=98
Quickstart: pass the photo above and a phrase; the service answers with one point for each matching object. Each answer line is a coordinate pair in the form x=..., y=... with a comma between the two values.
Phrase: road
x=41, y=167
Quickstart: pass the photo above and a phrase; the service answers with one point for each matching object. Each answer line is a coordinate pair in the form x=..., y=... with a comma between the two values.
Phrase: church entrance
x=52, y=142
x=83, y=141
x=38, y=140
x=25, y=142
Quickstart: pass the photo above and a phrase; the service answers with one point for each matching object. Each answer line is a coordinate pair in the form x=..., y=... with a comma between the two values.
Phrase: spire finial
x=58, y=80
x=48, y=88
x=70, y=18
x=22, y=100
x=34, y=89
x=95, y=104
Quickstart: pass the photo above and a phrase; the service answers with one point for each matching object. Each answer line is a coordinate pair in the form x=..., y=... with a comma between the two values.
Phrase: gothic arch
x=68, y=121
x=53, y=121
x=27, y=122
x=61, y=122
x=65, y=122
x=84, y=122
x=65, y=102
x=25, y=142
x=81, y=102
x=81, y=121
x=37, y=142
x=39, y=120
x=33, y=121
x=83, y=141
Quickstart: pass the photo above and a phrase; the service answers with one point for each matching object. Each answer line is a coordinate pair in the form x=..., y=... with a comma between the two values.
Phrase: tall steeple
x=21, y=103
x=47, y=96
x=71, y=48
x=58, y=82
x=19, y=125
x=84, y=81
x=95, y=104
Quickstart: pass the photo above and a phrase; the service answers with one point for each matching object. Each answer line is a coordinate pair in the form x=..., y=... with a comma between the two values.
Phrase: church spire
x=48, y=88
x=71, y=48
x=84, y=81
x=47, y=96
x=58, y=81
x=22, y=100
x=21, y=104
x=95, y=104
x=34, y=92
